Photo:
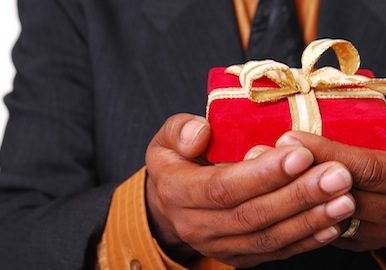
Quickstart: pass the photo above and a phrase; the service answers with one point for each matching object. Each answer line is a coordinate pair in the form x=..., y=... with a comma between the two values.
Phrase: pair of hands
x=277, y=203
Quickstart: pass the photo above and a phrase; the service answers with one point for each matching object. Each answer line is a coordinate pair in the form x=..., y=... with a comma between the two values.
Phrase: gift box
x=255, y=103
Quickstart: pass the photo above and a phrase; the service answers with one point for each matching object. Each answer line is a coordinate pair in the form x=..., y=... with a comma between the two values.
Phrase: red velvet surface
x=239, y=124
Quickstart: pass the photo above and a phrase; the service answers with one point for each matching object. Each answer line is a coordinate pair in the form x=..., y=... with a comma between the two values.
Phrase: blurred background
x=9, y=30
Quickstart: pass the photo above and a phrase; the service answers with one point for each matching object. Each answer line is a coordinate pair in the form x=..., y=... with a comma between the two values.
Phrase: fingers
x=300, y=226
x=317, y=186
x=368, y=167
x=302, y=246
x=271, y=170
x=272, y=209
x=309, y=224
x=195, y=186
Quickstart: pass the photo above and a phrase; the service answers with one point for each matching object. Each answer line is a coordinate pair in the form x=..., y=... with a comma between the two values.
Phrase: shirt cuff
x=127, y=242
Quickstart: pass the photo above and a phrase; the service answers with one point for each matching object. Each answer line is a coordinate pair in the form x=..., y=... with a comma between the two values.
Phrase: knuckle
x=265, y=242
x=170, y=124
x=254, y=215
x=187, y=233
x=165, y=194
x=301, y=195
x=371, y=172
x=242, y=218
x=171, y=127
x=334, y=164
x=307, y=224
x=262, y=214
x=151, y=153
x=210, y=254
x=218, y=193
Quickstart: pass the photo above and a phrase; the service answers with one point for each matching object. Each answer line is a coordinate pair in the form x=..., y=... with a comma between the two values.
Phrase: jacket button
x=135, y=265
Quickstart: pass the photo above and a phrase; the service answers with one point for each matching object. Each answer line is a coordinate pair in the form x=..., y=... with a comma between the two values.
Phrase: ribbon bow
x=305, y=80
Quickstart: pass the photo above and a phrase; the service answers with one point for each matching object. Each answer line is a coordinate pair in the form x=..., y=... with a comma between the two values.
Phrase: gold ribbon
x=303, y=86
x=303, y=81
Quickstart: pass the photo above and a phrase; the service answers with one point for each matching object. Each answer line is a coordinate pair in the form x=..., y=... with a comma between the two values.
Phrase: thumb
x=367, y=166
x=186, y=134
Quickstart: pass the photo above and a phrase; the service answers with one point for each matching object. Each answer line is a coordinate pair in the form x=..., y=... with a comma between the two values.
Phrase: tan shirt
x=127, y=242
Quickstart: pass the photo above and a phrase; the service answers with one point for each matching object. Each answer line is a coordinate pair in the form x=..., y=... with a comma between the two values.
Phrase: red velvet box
x=238, y=123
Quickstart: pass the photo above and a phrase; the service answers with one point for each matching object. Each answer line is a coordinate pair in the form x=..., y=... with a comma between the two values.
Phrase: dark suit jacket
x=95, y=80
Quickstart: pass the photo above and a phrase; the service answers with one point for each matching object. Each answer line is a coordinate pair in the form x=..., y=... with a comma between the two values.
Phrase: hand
x=368, y=168
x=261, y=209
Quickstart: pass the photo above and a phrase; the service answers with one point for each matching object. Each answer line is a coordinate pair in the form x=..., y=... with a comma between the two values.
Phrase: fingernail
x=253, y=155
x=335, y=180
x=341, y=207
x=288, y=140
x=255, y=152
x=326, y=234
x=190, y=131
x=297, y=161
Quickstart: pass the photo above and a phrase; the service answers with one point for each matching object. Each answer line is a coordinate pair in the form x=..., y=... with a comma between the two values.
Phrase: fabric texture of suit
x=95, y=80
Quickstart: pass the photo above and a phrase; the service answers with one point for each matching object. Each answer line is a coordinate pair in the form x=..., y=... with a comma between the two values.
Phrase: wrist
x=163, y=231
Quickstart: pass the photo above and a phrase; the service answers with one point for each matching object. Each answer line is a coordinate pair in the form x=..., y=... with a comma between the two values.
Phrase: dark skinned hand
x=268, y=207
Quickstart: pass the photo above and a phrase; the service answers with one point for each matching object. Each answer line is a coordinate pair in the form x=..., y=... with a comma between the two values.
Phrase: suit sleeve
x=52, y=204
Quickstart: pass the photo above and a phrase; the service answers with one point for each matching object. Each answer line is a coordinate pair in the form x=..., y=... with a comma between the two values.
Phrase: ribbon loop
x=346, y=53
x=303, y=81
x=277, y=72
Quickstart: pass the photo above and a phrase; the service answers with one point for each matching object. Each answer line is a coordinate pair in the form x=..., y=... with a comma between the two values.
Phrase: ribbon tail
x=377, y=85
x=261, y=95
